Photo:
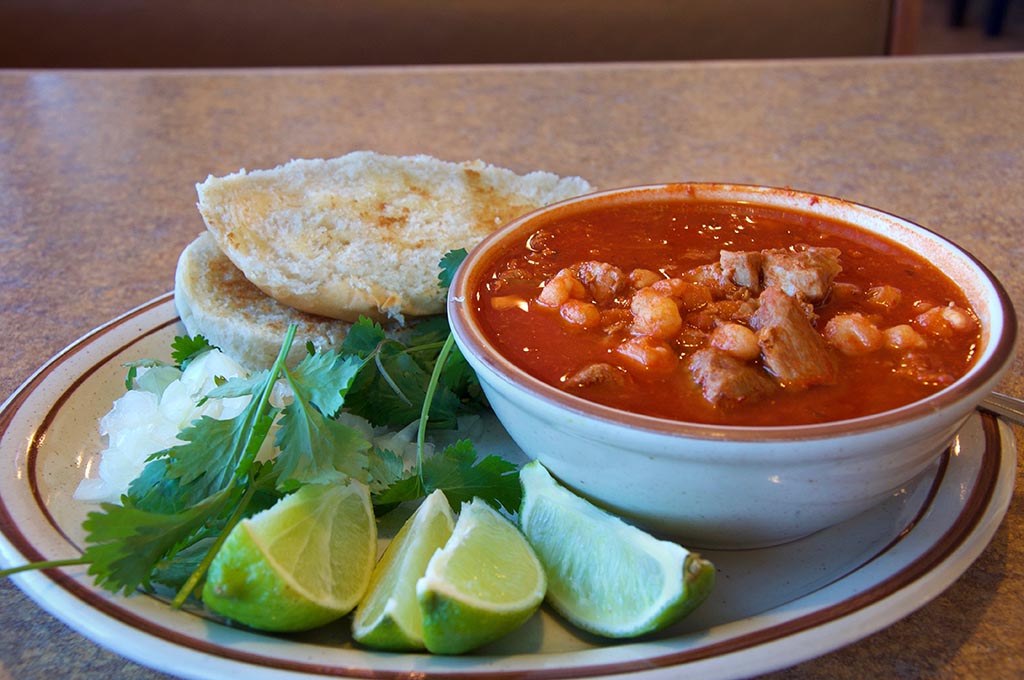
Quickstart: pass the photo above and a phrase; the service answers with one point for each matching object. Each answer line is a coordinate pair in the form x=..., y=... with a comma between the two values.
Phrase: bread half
x=363, y=234
x=214, y=299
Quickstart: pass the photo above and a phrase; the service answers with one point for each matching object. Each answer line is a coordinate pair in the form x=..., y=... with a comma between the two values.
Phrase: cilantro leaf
x=313, y=446
x=239, y=387
x=363, y=338
x=386, y=468
x=449, y=265
x=457, y=472
x=425, y=342
x=325, y=379
x=185, y=349
x=213, y=453
x=125, y=542
x=408, y=488
x=318, y=449
x=459, y=377
x=462, y=478
x=427, y=336
x=153, y=491
x=175, y=570
x=390, y=389
x=444, y=409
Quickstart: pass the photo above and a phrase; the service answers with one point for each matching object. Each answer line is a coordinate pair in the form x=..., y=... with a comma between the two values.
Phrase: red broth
x=674, y=238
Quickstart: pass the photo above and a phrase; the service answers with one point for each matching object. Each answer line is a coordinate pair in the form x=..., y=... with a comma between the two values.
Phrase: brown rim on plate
x=943, y=547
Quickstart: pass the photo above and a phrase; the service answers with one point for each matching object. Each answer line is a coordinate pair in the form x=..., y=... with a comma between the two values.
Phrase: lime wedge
x=484, y=583
x=301, y=563
x=389, y=615
x=606, y=576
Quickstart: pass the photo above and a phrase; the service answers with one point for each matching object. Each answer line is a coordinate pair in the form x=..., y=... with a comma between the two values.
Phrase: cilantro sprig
x=456, y=470
x=183, y=350
x=396, y=380
x=203, y=487
x=177, y=513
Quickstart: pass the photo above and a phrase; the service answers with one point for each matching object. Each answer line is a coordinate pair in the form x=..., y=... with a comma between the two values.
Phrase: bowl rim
x=994, y=361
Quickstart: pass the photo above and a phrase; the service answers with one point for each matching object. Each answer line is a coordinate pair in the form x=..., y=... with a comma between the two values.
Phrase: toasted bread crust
x=214, y=299
x=363, y=234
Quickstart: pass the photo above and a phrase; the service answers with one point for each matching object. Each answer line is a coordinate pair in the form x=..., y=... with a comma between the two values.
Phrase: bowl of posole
x=715, y=483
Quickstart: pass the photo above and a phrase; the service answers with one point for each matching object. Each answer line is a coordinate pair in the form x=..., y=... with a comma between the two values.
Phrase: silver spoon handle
x=1006, y=406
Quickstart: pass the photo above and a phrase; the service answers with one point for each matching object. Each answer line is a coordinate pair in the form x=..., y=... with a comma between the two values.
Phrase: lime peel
x=300, y=564
x=604, y=575
x=483, y=584
x=389, y=617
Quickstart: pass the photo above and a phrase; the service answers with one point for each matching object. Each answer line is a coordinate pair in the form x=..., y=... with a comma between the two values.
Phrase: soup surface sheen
x=568, y=305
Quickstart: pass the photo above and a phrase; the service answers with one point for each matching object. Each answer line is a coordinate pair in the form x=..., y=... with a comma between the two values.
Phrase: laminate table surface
x=97, y=199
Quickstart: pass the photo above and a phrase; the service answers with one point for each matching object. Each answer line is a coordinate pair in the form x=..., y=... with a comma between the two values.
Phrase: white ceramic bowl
x=714, y=486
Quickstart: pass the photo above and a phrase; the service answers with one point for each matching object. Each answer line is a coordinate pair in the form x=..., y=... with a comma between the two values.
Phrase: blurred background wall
x=228, y=33
x=169, y=33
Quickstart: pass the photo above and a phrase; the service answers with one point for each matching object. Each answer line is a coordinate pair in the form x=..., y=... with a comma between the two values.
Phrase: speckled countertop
x=97, y=198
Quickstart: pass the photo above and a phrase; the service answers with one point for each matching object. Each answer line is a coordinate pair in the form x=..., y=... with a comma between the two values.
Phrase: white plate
x=771, y=608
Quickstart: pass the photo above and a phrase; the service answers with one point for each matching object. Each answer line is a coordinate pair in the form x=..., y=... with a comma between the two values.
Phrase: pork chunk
x=712, y=277
x=597, y=374
x=790, y=346
x=721, y=312
x=742, y=268
x=806, y=273
x=723, y=378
